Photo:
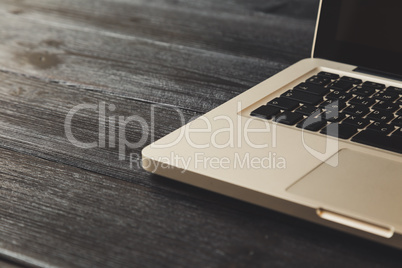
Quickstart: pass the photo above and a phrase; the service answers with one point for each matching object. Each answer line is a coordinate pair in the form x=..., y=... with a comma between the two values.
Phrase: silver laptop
x=321, y=140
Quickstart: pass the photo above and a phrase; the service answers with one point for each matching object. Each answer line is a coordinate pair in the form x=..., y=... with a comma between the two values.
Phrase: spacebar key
x=375, y=139
x=302, y=97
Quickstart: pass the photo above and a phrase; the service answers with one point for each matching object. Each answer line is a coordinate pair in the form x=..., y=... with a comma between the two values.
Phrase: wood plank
x=181, y=68
x=7, y=264
x=54, y=215
x=190, y=23
x=32, y=120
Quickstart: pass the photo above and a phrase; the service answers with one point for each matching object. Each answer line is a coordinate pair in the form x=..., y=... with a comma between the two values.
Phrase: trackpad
x=361, y=185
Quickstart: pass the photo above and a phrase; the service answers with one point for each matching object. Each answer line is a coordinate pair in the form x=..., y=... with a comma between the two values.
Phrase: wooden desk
x=64, y=206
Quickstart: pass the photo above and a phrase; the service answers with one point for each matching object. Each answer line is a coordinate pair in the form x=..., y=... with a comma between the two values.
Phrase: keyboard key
x=308, y=110
x=288, y=118
x=284, y=104
x=374, y=85
x=386, y=106
x=333, y=105
x=266, y=112
x=397, y=90
x=351, y=80
x=397, y=132
x=328, y=75
x=386, y=96
x=333, y=116
x=339, y=95
x=311, y=88
x=342, y=131
x=356, y=121
x=319, y=80
x=380, y=116
x=341, y=85
x=355, y=109
x=362, y=100
x=397, y=121
x=363, y=91
x=302, y=97
x=312, y=124
x=373, y=138
x=381, y=127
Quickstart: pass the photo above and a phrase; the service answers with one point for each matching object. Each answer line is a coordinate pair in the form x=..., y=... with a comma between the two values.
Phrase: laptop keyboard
x=344, y=107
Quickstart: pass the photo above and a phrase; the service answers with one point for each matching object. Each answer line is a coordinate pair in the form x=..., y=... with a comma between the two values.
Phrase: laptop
x=321, y=140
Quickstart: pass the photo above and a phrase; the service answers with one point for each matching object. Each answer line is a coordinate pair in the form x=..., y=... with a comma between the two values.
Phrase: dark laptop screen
x=366, y=33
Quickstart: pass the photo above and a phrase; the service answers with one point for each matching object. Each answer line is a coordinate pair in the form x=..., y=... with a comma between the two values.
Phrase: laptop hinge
x=378, y=73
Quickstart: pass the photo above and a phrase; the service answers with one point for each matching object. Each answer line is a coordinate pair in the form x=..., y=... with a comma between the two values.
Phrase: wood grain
x=57, y=215
x=62, y=206
x=7, y=264
x=170, y=55
x=33, y=114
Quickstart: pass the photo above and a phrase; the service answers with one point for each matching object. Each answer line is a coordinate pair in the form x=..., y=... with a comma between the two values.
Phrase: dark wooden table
x=64, y=206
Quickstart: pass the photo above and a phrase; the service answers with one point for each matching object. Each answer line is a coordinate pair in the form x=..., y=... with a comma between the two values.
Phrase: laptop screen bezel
x=326, y=46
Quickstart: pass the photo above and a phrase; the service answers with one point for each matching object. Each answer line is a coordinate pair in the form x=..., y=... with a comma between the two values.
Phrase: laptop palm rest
x=355, y=192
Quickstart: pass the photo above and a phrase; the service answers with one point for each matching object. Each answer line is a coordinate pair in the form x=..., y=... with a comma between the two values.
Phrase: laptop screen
x=365, y=33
